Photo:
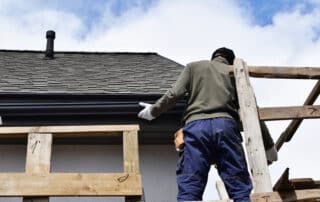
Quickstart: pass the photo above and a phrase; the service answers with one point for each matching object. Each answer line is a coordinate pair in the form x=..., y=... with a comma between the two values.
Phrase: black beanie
x=224, y=52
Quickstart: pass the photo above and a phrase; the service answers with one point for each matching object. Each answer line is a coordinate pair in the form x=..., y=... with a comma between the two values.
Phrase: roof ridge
x=81, y=52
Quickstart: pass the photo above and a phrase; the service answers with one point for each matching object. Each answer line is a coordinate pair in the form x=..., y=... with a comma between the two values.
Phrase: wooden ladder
x=37, y=184
x=251, y=115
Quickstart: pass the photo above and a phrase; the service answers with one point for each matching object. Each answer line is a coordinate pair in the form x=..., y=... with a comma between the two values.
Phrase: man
x=211, y=132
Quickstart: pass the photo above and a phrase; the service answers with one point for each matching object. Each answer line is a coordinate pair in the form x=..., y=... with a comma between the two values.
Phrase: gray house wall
x=157, y=165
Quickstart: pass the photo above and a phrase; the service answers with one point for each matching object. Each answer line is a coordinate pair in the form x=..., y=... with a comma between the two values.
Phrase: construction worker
x=211, y=132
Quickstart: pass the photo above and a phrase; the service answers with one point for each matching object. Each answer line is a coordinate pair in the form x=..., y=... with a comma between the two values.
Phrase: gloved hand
x=178, y=140
x=146, y=112
x=272, y=155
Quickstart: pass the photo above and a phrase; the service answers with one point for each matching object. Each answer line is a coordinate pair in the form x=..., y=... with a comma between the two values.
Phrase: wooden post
x=37, y=183
x=131, y=158
x=252, y=131
x=38, y=159
x=287, y=196
x=223, y=194
x=294, y=125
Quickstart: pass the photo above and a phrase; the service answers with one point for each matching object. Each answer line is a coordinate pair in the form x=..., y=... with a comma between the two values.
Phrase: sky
x=273, y=32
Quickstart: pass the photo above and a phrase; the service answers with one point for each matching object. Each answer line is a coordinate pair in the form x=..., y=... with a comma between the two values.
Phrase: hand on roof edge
x=146, y=112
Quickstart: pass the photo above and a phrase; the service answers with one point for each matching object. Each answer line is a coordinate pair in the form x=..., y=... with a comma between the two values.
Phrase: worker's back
x=211, y=136
x=211, y=91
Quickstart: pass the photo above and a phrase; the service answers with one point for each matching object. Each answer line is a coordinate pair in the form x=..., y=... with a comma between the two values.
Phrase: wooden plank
x=304, y=183
x=38, y=153
x=297, y=195
x=286, y=184
x=294, y=124
x=284, y=113
x=283, y=182
x=38, y=159
x=285, y=72
x=252, y=131
x=130, y=151
x=222, y=192
x=67, y=129
x=70, y=184
x=282, y=72
x=131, y=157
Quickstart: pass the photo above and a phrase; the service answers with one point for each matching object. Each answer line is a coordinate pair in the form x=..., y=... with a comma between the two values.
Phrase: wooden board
x=284, y=113
x=70, y=184
x=68, y=129
x=283, y=72
x=38, y=153
x=286, y=184
x=283, y=182
x=131, y=158
x=38, y=160
x=304, y=183
x=130, y=152
x=252, y=131
x=221, y=189
x=297, y=195
x=294, y=124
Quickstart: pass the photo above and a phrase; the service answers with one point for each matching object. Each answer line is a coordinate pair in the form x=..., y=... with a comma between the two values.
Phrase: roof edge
x=81, y=94
x=171, y=60
x=80, y=52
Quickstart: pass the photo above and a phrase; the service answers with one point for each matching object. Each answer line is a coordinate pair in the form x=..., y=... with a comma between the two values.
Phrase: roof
x=86, y=72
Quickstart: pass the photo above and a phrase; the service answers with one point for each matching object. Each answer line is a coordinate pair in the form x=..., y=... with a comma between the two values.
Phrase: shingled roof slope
x=86, y=72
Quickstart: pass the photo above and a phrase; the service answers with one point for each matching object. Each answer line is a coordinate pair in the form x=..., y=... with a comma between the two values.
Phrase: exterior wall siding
x=157, y=165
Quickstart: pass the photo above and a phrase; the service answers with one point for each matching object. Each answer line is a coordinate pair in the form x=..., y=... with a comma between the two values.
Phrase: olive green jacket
x=210, y=91
x=209, y=88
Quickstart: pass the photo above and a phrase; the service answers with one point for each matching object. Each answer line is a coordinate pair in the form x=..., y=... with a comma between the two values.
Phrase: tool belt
x=178, y=140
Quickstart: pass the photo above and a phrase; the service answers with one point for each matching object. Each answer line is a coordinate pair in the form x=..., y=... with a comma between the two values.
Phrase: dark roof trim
x=76, y=104
x=30, y=110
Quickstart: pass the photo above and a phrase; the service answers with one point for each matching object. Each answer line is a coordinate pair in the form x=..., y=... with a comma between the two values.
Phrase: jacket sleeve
x=170, y=98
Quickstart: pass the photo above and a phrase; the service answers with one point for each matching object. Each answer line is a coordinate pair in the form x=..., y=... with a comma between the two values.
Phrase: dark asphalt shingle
x=86, y=72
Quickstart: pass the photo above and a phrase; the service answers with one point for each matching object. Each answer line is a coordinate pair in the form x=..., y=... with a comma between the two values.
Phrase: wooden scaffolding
x=37, y=183
x=305, y=189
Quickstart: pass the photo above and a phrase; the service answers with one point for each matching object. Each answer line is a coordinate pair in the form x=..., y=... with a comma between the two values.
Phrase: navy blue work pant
x=212, y=140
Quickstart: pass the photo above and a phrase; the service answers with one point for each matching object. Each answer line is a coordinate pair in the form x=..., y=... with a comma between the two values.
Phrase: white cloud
x=186, y=30
x=27, y=30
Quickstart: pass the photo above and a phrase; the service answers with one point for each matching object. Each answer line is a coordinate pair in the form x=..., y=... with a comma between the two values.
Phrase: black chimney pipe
x=50, y=35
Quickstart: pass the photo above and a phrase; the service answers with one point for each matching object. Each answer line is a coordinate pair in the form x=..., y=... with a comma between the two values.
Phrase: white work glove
x=146, y=112
x=272, y=154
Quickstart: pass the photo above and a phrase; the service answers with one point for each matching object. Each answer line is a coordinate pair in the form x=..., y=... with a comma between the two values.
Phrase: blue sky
x=264, y=10
x=91, y=11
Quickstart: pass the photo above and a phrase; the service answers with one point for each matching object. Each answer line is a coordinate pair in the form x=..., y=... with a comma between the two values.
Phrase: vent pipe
x=50, y=35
